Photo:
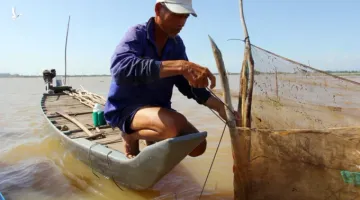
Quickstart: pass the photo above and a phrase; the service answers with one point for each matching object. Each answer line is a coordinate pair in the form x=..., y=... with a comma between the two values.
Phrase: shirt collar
x=150, y=31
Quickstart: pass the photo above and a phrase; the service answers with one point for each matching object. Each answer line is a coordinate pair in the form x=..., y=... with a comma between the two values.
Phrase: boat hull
x=138, y=173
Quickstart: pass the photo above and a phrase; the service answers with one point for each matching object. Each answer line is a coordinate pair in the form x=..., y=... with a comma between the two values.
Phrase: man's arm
x=200, y=95
x=128, y=67
x=214, y=103
x=219, y=107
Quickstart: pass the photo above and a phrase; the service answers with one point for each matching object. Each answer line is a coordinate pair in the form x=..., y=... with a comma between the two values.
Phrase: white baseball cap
x=179, y=6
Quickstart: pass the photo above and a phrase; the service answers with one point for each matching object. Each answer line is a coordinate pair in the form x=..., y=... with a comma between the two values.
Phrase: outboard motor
x=53, y=73
x=48, y=77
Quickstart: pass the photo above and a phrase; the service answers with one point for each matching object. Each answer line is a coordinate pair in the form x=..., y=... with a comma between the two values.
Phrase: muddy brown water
x=35, y=165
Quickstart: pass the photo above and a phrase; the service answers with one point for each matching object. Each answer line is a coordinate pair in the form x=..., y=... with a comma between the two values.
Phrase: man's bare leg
x=200, y=149
x=155, y=124
x=131, y=145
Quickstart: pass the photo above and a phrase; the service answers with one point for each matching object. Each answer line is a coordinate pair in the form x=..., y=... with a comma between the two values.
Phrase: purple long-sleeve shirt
x=135, y=67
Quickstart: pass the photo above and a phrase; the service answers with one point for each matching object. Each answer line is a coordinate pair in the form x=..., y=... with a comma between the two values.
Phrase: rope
x=302, y=65
x=222, y=134
x=108, y=159
x=112, y=177
x=212, y=162
x=220, y=101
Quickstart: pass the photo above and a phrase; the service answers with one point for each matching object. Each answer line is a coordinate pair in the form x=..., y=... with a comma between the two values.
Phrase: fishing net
x=306, y=131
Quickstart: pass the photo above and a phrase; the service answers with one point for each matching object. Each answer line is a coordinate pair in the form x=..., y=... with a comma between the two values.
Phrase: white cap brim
x=180, y=8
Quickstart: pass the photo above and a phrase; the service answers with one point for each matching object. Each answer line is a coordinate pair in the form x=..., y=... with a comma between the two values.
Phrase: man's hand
x=221, y=111
x=219, y=107
x=198, y=76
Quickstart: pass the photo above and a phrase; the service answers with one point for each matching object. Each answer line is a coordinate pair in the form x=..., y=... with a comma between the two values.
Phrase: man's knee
x=199, y=150
x=175, y=125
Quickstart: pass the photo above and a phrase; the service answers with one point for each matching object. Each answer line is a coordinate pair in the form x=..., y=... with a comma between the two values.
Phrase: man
x=147, y=63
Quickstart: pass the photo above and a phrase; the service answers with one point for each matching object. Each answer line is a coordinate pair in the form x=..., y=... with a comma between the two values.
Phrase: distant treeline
x=8, y=75
x=343, y=71
x=302, y=71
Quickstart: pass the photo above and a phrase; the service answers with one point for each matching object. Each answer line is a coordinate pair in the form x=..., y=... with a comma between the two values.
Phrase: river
x=35, y=165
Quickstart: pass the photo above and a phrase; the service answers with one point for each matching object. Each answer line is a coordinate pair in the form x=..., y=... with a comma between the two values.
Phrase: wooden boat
x=101, y=147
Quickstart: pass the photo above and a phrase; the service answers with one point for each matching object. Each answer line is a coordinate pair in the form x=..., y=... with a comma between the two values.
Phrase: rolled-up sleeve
x=200, y=95
x=127, y=66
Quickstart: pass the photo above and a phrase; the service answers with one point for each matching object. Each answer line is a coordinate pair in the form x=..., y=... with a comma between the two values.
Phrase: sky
x=324, y=33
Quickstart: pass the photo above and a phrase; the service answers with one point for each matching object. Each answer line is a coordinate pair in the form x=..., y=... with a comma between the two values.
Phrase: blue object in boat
x=2, y=197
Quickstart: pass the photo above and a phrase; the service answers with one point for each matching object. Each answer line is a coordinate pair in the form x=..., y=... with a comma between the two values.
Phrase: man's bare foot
x=131, y=146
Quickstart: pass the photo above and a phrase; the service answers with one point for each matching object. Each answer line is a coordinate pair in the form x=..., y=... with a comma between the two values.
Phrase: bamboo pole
x=80, y=125
x=88, y=99
x=250, y=66
x=66, y=40
x=225, y=84
x=92, y=94
x=239, y=142
x=243, y=92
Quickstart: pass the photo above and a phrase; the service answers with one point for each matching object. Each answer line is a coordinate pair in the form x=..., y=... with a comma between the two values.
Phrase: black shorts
x=128, y=114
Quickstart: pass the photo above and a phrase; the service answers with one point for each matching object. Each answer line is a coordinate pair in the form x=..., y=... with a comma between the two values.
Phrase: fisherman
x=149, y=60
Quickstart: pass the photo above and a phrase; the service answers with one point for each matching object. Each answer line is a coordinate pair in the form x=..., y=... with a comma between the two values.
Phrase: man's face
x=171, y=23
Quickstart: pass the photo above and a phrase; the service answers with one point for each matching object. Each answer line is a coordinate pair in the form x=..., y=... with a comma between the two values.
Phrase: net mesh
x=291, y=95
x=306, y=137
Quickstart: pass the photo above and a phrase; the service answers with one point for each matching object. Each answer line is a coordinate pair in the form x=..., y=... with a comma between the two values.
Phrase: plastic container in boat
x=98, y=115
x=95, y=118
x=101, y=118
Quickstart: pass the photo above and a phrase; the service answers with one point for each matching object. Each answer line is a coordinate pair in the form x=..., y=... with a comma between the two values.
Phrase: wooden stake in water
x=238, y=141
x=248, y=59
